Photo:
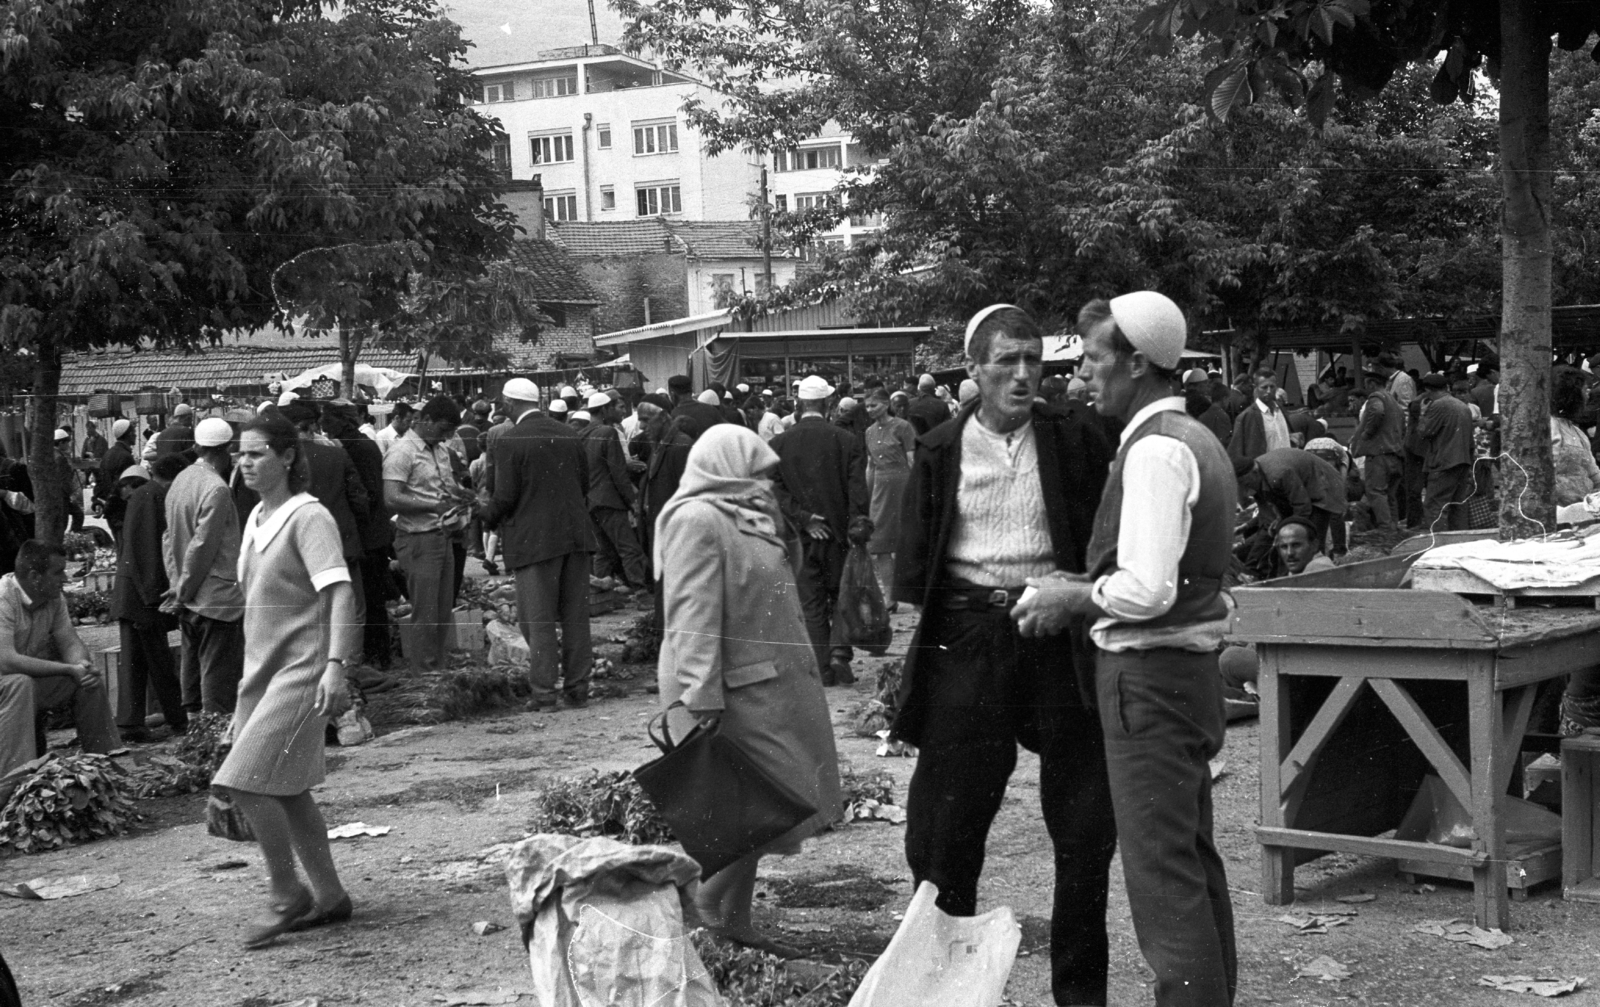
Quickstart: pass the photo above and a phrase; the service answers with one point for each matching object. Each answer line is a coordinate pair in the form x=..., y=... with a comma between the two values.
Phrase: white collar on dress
x=261, y=535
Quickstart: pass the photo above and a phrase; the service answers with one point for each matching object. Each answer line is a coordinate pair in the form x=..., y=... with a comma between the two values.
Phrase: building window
x=811, y=200
x=807, y=158
x=552, y=149
x=655, y=200
x=555, y=87
x=655, y=138
x=608, y=198
x=604, y=132
x=821, y=248
x=504, y=91
x=561, y=206
x=780, y=203
x=501, y=154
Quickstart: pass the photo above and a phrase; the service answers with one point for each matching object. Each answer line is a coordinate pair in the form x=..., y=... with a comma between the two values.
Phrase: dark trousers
x=1380, y=474
x=987, y=690
x=1410, y=490
x=821, y=569
x=617, y=553
x=458, y=569
x=213, y=663
x=373, y=585
x=149, y=658
x=429, y=567
x=1162, y=715
x=551, y=594
x=1448, y=490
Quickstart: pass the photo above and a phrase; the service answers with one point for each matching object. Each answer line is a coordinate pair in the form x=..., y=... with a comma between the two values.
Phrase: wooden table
x=1338, y=647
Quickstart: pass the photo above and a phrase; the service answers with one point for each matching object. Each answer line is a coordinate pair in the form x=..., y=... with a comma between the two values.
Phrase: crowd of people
x=1067, y=544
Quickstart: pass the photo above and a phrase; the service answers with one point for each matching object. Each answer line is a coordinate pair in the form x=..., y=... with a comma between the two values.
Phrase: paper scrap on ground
x=1530, y=984
x=62, y=887
x=1314, y=924
x=1464, y=933
x=869, y=808
x=355, y=829
x=475, y=998
x=1353, y=899
x=1324, y=968
x=485, y=927
x=807, y=928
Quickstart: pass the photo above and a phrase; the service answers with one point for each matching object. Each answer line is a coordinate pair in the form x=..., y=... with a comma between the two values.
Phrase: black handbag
x=719, y=803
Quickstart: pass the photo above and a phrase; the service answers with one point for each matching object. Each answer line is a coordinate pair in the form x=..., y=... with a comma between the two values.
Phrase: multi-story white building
x=606, y=132
x=810, y=174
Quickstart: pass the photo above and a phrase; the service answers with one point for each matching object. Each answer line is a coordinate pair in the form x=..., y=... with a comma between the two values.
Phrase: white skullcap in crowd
x=709, y=397
x=568, y=392
x=62, y=435
x=1153, y=324
x=972, y=327
x=926, y=383
x=520, y=389
x=582, y=414
x=599, y=400
x=120, y=427
x=286, y=398
x=814, y=388
x=969, y=389
x=135, y=472
x=213, y=432
x=557, y=406
x=182, y=409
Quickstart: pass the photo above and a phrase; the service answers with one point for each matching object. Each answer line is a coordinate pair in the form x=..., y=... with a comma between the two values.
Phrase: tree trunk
x=46, y=469
x=1526, y=469
x=349, y=352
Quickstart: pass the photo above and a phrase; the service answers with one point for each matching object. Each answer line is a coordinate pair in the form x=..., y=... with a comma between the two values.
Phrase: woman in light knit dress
x=300, y=630
x=891, y=443
x=735, y=647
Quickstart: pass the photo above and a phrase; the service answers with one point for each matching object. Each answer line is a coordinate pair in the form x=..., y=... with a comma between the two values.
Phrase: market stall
x=1369, y=687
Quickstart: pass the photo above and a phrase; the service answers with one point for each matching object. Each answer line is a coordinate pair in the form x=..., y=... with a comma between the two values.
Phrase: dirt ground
x=169, y=933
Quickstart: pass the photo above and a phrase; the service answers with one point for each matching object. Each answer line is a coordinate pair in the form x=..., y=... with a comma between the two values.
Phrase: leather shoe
x=841, y=674
x=285, y=916
x=339, y=912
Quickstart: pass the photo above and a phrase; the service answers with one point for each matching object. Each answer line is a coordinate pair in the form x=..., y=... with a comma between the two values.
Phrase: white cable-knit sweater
x=1001, y=537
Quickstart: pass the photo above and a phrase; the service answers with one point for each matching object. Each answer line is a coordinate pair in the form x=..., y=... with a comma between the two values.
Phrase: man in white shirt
x=399, y=423
x=1162, y=542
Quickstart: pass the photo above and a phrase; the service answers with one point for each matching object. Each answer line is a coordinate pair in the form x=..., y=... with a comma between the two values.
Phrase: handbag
x=719, y=803
x=225, y=821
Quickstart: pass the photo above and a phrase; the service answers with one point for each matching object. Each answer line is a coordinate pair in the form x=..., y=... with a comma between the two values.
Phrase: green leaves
x=63, y=800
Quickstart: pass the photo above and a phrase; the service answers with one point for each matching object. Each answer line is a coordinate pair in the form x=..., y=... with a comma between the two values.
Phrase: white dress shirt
x=1275, y=425
x=1160, y=486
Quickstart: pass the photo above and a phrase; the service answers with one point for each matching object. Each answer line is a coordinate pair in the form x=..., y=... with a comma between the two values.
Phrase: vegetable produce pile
x=65, y=800
x=751, y=978
x=600, y=804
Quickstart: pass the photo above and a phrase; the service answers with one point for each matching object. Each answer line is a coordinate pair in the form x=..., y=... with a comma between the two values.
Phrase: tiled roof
x=216, y=368
x=615, y=237
x=721, y=239
x=555, y=278
x=699, y=239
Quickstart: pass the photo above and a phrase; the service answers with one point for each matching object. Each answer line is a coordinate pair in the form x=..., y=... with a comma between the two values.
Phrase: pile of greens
x=600, y=804
x=64, y=800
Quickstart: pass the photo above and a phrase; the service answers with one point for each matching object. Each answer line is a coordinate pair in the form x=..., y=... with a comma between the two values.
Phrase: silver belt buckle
x=999, y=598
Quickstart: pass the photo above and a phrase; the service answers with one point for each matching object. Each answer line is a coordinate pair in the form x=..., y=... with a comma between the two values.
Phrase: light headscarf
x=724, y=468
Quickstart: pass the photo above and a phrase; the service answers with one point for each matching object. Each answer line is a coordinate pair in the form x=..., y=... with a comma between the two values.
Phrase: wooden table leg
x=1491, y=906
x=1277, y=862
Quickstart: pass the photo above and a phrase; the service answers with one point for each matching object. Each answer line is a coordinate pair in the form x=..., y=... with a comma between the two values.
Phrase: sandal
x=286, y=915
x=339, y=912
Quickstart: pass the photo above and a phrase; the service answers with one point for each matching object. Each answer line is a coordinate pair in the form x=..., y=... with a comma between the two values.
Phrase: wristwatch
x=340, y=661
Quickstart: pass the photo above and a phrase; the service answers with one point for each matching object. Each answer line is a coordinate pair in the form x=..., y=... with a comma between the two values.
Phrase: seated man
x=1299, y=549
x=43, y=664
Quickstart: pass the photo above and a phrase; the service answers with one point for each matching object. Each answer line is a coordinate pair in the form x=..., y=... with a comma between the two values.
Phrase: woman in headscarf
x=735, y=647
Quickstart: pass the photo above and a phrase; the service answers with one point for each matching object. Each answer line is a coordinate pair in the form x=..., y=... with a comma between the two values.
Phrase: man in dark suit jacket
x=136, y=605
x=334, y=480
x=821, y=485
x=375, y=531
x=927, y=410
x=1296, y=483
x=611, y=496
x=118, y=458
x=541, y=483
x=973, y=688
x=670, y=437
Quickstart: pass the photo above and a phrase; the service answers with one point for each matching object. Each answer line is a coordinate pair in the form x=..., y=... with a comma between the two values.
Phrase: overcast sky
x=513, y=31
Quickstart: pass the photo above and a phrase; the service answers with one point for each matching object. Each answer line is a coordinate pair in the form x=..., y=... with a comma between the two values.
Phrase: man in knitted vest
x=1002, y=492
x=1161, y=545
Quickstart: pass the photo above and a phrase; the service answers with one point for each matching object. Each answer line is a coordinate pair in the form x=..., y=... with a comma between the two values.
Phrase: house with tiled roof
x=647, y=270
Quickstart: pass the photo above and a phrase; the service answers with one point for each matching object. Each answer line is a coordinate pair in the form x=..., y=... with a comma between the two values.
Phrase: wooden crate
x=105, y=405
x=469, y=630
x=1464, y=582
x=1580, y=818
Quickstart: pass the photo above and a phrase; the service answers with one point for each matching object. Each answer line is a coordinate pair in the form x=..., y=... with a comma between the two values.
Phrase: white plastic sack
x=603, y=923
x=951, y=961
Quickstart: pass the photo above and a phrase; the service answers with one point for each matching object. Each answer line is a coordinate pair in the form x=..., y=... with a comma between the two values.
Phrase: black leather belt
x=980, y=598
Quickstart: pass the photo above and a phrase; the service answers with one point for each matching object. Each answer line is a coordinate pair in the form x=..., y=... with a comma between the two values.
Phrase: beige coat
x=735, y=641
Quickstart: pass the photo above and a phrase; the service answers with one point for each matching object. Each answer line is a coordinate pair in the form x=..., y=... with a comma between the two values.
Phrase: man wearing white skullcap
x=1162, y=543
x=821, y=483
x=201, y=549
x=108, y=503
x=1001, y=493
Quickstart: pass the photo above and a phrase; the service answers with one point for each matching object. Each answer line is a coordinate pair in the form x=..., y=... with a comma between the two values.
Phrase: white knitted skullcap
x=1153, y=324
x=977, y=320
